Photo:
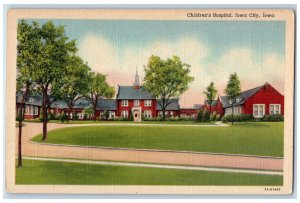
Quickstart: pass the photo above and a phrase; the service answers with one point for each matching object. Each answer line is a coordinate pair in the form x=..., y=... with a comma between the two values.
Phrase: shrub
x=218, y=117
x=130, y=116
x=273, y=118
x=213, y=116
x=75, y=116
x=63, y=117
x=200, y=115
x=18, y=117
x=206, y=116
x=237, y=118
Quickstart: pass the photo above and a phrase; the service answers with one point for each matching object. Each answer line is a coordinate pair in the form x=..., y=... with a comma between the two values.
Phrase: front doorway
x=136, y=112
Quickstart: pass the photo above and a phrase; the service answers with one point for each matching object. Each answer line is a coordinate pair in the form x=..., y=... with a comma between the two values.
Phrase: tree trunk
x=232, y=114
x=20, y=138
x=94, y=109
x=44, y=116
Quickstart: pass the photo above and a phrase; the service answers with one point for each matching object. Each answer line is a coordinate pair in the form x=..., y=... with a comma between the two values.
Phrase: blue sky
x=254, y=49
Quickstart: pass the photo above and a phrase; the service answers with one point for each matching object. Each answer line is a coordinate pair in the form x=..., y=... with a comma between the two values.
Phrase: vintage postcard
x=141, y=101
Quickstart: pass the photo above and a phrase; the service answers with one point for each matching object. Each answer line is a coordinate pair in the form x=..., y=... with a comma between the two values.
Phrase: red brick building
x=259, y=101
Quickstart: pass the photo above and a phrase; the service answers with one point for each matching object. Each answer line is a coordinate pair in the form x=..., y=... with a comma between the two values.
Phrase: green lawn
x=124, y=122
x=63, y=173
x=255, y=138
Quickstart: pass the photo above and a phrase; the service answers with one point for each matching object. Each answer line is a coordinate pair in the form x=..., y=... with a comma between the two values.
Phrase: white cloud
x=252, y=72
x=103, y=56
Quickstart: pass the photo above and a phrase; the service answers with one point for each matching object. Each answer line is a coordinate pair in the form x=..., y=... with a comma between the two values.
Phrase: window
x=228, y=111
x=124, y=103
x=160, y=113
x=171, y=113
x=124, y=114
x=148, y=102
x=30, y=100
x=27, y=110
x=35, y=110
x=237, y=110
x=136, y=103
x=147, y=114
x=112, y=114
x=258, y=110
x=274, y=109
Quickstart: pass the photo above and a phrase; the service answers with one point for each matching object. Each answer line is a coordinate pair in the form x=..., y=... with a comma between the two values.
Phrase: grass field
x=63, y=173
x=255, y=138
x=124, y=122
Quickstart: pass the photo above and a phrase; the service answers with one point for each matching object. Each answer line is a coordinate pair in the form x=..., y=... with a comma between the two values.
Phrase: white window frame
x=258, y=106
x=35, y=110
x=124, y=103
x=171, y=113
x=26, y=110
x=136, y=103
x=274, y=109
x=147, y=114
x=124, y=114
x=160, y=114
x=148, y=102
x=112, y=114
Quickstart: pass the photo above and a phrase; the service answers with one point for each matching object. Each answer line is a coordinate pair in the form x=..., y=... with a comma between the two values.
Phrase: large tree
x=52, y=52
x=27, y=36
x=75, y=82
x=210, y=94
x=166, y=79
x=98, y=88
x=233, y=90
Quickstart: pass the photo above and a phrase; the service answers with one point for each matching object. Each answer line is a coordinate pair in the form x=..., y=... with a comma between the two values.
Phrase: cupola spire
x=136, y=83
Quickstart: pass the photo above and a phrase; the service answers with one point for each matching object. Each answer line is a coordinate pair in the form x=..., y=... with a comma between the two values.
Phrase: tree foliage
x=233, y=90
x=48, y=56
x=75, y=82
x=166, y=79
x=210, y=94
x=98, y=88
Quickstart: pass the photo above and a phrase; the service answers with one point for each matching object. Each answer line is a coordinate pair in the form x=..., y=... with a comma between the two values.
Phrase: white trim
x=136, y=102
x=124, y=114
x=148, y=102
x=147, y=114
x=124, y=103
x=258, y=110
x=279, y=110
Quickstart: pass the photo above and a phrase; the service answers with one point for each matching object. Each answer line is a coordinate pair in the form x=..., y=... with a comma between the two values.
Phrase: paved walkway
x=149, y=156
x=193, y=168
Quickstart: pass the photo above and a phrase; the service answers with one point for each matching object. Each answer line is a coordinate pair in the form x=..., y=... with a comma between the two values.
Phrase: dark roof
x=32, y=99
x=242, y=97
x=174, y=105
x=129, y=92
x=197, y=106
x=107, y=104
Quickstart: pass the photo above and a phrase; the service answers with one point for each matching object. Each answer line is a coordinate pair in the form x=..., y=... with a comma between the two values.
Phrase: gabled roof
x=242, y=97
x=197, y=106
x=174, y=105
x=107, y=104
x=129, y=92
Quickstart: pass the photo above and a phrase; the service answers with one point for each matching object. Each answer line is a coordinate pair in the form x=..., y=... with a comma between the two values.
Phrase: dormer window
x=238, y=99
x=30, y=100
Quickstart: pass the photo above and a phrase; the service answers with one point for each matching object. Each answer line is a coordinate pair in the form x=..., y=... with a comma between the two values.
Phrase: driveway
x=144, y=156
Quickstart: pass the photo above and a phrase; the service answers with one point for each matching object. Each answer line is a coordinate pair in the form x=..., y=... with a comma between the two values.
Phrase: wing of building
x=135, y=100
x=258, y=101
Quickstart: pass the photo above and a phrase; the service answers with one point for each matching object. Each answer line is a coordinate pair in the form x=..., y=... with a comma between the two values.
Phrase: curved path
x=145, y=156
